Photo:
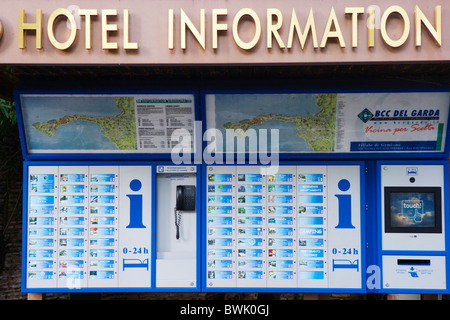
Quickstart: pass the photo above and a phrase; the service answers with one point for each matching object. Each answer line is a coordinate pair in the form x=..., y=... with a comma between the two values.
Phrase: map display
x=328, y=122
x=112, y=123
x=305, y=122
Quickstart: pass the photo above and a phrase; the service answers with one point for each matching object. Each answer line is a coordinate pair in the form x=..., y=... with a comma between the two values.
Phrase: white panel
x=424, y=176
x=281, y=232
x=175, y=258
x=171, y=275
x=103, y=203
x=73, y=228
x=221, y=252
x=42, y=227
x=344, y=227
x=411, y=275
x=312, y=203
x=135, y=226
x=251, y=226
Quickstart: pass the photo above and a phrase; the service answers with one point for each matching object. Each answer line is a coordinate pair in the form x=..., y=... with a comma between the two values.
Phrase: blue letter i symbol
x=135, y=205
x=345, y=206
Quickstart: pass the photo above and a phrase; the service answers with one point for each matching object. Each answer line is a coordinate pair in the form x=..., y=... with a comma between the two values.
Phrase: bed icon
x=345, y=264
x=135, y=263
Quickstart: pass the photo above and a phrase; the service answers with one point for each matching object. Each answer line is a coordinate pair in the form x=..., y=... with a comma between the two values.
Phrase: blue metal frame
x=153, y=287
x=372, y=225
x=377, y=251
x=291, y=289
x=91, y=155
x=347, y=155
x=24, y=226
x=200, y=112
x=370, y=181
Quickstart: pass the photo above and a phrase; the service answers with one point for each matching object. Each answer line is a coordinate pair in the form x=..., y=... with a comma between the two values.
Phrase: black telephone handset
x=185, y=201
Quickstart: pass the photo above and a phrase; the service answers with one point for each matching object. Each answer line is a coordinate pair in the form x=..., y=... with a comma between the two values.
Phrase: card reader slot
x=415, y=262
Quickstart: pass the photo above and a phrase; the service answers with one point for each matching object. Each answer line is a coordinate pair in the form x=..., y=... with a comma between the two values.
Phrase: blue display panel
x=112, y=125
x=299, y=227
x=93, y=226
x=82, y=223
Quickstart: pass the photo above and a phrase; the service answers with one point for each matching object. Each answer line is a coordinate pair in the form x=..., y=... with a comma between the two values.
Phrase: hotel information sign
x=162, y=32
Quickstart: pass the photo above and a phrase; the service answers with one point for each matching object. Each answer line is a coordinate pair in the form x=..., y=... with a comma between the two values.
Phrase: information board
x=87, y=226
x=300, y=227
x=106, y=123
x=327, y=122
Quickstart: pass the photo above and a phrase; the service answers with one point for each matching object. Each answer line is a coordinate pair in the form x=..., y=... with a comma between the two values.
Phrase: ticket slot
x=414, y=262
x=414, y=273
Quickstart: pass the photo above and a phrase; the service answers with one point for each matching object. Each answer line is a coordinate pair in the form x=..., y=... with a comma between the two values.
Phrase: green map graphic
x=317, y=130
x=119, y=129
